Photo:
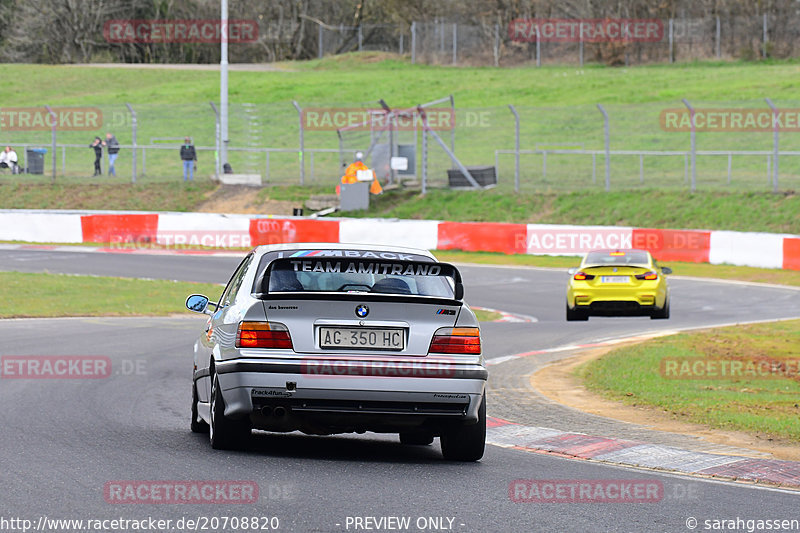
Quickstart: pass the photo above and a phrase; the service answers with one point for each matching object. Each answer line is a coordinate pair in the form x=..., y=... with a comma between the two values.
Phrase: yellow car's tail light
x=647, y=275
x=582, y=276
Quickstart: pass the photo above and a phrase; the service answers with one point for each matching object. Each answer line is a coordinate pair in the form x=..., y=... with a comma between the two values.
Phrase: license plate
x=362, y=338
x=615, y=279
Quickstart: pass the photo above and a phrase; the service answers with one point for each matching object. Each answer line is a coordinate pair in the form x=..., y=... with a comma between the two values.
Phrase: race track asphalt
x=63, y=440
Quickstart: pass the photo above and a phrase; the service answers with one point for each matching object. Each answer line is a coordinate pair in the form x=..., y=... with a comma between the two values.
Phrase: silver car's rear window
x=358, y=275
x=635, y=257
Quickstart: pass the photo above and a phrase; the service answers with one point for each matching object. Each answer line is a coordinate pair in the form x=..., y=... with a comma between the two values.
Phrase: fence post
x=607, y=146
x=413, y=43
x=671, y=39
x=694, y=144
x=453, y=128
x=441, y=39
x=641, y=169
x=216, y=140
x=766, y=37
x=516, y=146
x=538, y=48
x=455, y=43
x=401, y=43
x=133, y=132
x=54, y=121
x=719, y=34
x=302, y=144
x=730, y=165
x=319, y=41
x=497, y=45
x=580, y=49
x=775, y=153
x=360, y=38
x=424, y=153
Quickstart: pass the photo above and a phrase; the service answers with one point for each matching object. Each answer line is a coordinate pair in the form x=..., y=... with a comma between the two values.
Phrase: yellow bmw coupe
x=618, y=283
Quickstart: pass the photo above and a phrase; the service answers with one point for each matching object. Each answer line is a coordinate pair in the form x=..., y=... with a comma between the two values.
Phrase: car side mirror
x=198, y=303
x=459, y=291
x=571, y=271
x=666, y=270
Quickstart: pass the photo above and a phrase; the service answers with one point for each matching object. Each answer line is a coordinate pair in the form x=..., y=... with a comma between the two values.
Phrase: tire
x=466, y=443
x=197, y=425
x=224, y=433
x=416, y=438
x=662, y=313
x=576, y=314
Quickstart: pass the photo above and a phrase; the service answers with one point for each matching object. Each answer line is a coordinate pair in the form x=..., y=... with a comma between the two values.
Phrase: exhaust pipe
x=279, y=411
x=266, y=411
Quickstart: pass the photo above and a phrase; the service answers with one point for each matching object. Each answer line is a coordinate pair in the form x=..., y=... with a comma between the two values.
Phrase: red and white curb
x=506, y=316
x=507, y=434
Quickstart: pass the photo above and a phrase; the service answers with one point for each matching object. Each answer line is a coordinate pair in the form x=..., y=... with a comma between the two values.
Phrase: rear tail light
x=647, y=275
x=456, y=340
x=263, y=335
x=581, y=276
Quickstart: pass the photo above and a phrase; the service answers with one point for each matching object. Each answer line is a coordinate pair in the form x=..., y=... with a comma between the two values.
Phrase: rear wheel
x=224, y=433
x=661, y=313
x=198, y=426
x=466, y=443
x=416, y=438
x=576, y=314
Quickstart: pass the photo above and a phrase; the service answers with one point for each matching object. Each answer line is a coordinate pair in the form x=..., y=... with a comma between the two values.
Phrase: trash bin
x=35, y=158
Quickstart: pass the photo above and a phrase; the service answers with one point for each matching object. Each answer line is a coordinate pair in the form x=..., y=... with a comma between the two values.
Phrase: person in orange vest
x=350, y=175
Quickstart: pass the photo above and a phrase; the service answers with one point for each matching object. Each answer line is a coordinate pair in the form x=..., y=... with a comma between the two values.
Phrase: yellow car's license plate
x=615, y=279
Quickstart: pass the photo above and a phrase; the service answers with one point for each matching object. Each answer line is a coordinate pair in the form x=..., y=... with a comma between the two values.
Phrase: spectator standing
x=112, y=145
x=189, y=158
x=97, y=144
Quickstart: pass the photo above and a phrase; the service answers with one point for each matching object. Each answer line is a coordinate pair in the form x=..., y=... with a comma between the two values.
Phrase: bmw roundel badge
x=362, y=311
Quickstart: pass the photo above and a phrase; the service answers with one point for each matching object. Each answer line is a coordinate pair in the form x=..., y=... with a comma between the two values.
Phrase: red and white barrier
x=236, y=231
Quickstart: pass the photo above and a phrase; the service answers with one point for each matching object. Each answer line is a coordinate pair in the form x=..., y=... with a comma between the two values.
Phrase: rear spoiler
x=361, y=266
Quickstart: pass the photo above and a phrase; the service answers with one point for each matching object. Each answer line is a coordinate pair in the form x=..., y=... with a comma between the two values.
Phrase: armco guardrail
x=176, y=230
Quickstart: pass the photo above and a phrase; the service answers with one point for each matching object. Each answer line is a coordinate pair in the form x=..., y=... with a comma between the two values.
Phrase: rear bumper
x=615, y=301
x=348, y=395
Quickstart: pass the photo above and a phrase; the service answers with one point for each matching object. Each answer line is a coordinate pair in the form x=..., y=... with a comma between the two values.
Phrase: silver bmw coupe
x=336, y=338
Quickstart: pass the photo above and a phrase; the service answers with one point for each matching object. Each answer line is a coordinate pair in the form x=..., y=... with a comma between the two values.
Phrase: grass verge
x=27, y=295
x=112, y=196
x=735, y=211
x=56, y=295
x=764, y=406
